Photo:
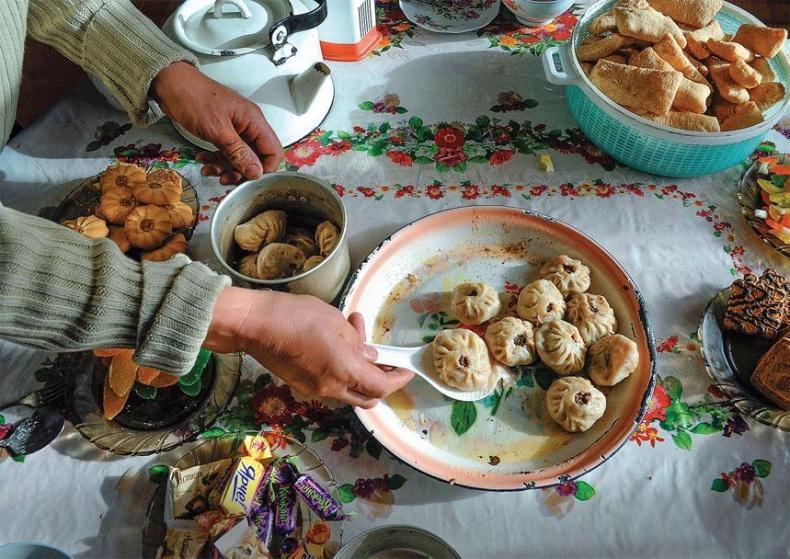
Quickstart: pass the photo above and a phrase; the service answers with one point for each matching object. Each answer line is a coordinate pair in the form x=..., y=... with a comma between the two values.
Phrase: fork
x=42, y=397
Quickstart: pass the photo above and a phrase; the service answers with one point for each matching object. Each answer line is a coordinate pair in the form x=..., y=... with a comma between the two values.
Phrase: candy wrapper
x=182, y=544
x=245, y=476
x=257, y=447
x=241, y=542
x=318, y=499
x=261, y=518
x=189, y=489
x=281, y=472
x=285, y=508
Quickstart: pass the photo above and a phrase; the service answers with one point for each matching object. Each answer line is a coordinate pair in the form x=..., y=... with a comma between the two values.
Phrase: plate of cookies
x=745, y=342
x=149, y=213
x=506, y=292
x=701, y=81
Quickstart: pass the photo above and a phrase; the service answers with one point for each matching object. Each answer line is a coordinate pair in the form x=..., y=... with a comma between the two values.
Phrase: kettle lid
x=227, y=27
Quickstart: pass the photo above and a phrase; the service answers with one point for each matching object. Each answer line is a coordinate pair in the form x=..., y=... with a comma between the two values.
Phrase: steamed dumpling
x=248, y=266
x=303, y=241
x=592, y=315
x=278, y=260
x=539, y=302
x=460, y=358
x=574, y=403
x=474, y=303
x=560, y=347
x=511, y=341
x=266, y=227
x=326, y=236
x=312, y=262
x=611, y=360
x=568, y=274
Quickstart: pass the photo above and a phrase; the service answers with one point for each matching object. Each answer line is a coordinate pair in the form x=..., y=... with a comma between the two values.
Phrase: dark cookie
x=758, y=306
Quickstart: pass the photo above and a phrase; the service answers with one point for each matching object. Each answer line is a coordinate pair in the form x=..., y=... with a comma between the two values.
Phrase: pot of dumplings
x=284, y=231
x=678, y=88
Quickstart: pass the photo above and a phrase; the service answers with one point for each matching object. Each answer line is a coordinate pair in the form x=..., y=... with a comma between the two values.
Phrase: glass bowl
x=749, y=200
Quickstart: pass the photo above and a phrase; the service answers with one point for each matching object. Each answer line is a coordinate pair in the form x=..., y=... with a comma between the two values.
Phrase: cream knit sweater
x=58, y=290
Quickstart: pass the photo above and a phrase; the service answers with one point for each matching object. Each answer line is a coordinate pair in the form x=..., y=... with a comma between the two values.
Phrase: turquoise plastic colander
x=640, y=143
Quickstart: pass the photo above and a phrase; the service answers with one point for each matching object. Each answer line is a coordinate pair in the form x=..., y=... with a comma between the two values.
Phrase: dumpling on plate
x=560, y=347
x=612, y=359
x=266, y=227
x=460, y=358
x=574, y=403
x=568, y=274
x=278, y=260
x=326, y=237
x=592, y=315
x=539, y=302
x=474, y=303
x=511, y=341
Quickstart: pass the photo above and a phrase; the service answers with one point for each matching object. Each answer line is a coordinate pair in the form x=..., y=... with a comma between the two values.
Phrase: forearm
x=114, y=41
x=62, y=292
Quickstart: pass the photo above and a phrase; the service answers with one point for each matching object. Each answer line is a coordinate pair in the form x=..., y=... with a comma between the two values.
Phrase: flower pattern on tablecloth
x=373, y=497
x=154, y=156
x=393, y=26
x=447, y=146
x=513, y=101
x=558, y=501
x=390, y=104
x=508, y=34
x=744, y=482
x=106, y=133
x=681, y=419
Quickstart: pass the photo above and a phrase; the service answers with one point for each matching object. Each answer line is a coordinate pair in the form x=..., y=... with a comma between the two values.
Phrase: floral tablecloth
x=430, y=122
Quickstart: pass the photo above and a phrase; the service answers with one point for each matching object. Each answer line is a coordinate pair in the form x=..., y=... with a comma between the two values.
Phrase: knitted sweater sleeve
x=112, y=40
x=63, y=292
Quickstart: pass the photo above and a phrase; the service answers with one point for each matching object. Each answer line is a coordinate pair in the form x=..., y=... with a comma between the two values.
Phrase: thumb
x=240, y=155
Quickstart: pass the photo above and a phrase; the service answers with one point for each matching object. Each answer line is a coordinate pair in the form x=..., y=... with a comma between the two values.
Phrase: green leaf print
x=483, y=121
x=401, y=110
x=584, y=491
x=346, y=492
x=682, y=439
x=705, y=428
x=673, y=387
x=415, y=122
x=463, y=416
x=318, y=435
x=366, y=106
x=373, y=448
x=158, y=473
x=213, y=433
x=384, y=127
x=423, y=160
x=719, y=485
x=396, y=482
x=762, y=467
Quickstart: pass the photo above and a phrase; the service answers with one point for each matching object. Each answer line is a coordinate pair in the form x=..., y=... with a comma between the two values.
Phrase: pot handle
x=563, y=75
x=244, y=10
x=295, y=23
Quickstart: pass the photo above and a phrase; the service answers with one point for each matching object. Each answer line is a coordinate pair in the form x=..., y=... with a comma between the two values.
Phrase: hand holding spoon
x=417, y=359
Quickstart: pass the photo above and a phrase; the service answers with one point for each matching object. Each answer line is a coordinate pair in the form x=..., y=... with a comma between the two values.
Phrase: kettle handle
x=295, y=23
x=244, y=10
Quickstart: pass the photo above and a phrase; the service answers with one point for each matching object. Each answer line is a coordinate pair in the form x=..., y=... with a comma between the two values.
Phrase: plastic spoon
x=416, y=359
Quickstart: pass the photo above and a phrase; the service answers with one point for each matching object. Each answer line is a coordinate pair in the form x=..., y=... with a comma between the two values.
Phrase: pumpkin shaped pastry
x=118, y=236
x=116, y=205
x=162, y=187
x=90, y=226
x=175, y=244
x=180, y=214
x=147, y=227
x=123, y=175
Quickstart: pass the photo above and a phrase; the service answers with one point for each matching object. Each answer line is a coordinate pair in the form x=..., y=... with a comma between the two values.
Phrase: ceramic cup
x=535, y=13
x=307, y=200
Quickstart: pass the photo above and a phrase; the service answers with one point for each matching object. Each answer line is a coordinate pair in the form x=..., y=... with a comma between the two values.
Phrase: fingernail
x=371, y=353
x=252, y=171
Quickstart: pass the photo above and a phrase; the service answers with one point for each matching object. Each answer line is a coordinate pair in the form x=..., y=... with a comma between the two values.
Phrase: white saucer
x=450, y=16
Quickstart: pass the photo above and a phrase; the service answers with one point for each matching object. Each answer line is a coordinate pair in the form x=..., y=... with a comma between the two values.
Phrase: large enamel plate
x=401, y=290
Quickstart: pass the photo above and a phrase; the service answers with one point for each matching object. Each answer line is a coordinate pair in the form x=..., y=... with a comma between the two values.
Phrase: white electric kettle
x=267, y=50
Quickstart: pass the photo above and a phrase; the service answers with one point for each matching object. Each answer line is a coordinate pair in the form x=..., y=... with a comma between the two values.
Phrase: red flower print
x=339, y=188
x=667, y=345
x=645, y=433
x=566, y=489
x=567, y=19
x=449, y=138
x=604, y=191
x=503, y=138
x=397, y=140
x=5, y=430
x=470, y=192
x=562, y=35
x=336, y=148
x=450, y=156
x=366, y=191
x=273, y=404
x=359, y=130
x=529, y=39
x=501, y=156
x=304, y=154
x=434, y=192
x=568, y=189
x=400, y=158
x=538, y=190
x=737, y=251
x=427, y=303
x=404, y=191
x=658, y=404
x=497, y=190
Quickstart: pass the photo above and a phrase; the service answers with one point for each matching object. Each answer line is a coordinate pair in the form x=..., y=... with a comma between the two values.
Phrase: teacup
x=536, y=13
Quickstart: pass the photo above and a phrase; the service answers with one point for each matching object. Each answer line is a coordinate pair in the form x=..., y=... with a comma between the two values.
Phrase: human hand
x=219, y=115
x=307, y=343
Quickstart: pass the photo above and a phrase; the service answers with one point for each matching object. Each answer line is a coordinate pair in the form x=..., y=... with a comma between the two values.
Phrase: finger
x=209, y=170
x=206, y=157
x=266, y=143
x=358, y=322
x=240, y=154
x=230, y=177
x=375, y=383
x=360, y=400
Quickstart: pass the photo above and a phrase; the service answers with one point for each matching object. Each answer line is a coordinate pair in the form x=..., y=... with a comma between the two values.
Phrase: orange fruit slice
x=146, y=375
x=122, y=374
x=113, y=404
x=163, y=380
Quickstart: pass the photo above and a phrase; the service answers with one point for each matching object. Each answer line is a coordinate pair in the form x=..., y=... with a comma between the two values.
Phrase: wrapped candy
x=240, y=488
x=318, y=499
x=261, y=519
x=285, y=506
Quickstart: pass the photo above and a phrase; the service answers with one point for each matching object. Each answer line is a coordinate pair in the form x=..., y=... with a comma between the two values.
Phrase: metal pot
x=397, y=540
x=305, y=199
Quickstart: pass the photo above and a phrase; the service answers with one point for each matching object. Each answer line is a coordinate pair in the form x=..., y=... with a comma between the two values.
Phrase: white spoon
x=417, y=359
